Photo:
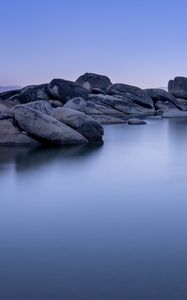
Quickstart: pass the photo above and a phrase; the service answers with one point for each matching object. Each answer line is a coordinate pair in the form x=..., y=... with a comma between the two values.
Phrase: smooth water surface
x=104, y=222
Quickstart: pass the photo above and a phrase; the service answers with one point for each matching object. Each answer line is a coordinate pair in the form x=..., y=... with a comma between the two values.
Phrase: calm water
x=97, y=223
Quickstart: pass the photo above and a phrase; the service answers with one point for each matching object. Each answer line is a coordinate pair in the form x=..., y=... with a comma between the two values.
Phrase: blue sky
x=136, y=42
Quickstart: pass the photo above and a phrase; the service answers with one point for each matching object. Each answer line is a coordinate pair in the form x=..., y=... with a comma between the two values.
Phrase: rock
x=139, y=96
x=93, y=81
x=91, y=108
x=97, y=91
x=76, y=104
x=8, y=94
x=120, y=103
x=84, y=124
x=170, y=86
x=41, y=105
x=163, y=106
x=12, y=101
x=174, y=113
x=179, y=87
x=10, y=135
x=182, y=103
x=107, y=120
x=33, y=93
x=55, y=103
x=136, y=122
x=65, y=90
x=46, y=128
x=5, y=112
x=162, y=95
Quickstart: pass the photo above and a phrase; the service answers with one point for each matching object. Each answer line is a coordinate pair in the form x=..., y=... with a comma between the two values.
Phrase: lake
x=102, y=222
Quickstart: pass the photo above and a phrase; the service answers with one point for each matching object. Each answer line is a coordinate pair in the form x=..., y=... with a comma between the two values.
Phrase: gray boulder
x=12, y=101
x=55, y=103
x=11, y=135
x=161, y=95
x=41, y=105
x=170, y=86
x=163, y=106
x=91, y=108
x=76, y=104
x=179, y=87
x=135, y=121
x=84, y=124
x=93, y=81
x=46, y=128
x=34, y=93
x=6, y=95
x=138, y=95
x=174, y=113
x=107, y=120
x=5, y=112
x=65, y=90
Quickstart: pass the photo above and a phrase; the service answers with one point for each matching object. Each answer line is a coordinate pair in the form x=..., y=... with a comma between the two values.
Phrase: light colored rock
x=46, y=128
x=76, y=104
x=135, y=121
x=84, y=124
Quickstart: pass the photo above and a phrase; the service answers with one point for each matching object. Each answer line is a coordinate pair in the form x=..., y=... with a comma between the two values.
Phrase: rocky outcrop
x=76, y=104
x=79, y=121
x=173, y=113
x=163, y=106
x=5, y=112
x=65, y=90
x=178, y=87
x=161, y=95
x=139, y=96
x=92, y=81
x=42, y=106
x=8, y=94
x=46, y=128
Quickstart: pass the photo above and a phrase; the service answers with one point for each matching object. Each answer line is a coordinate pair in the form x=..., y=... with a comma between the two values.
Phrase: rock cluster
x=63, y=112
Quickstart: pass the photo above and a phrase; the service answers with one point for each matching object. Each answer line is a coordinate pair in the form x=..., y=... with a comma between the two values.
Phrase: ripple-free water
x=104, y=222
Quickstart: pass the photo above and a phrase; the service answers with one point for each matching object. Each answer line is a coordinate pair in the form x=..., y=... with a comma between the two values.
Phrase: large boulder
x=65, y=90
x=33, y=93
x=163, y=106
x=84, y=124
x=91, y=81
x=120, y=103
x=12, y=101
x=11, y=135
x=162, y=95
x=170, y=86
x=5, y=112
x=179, y=87
x=41, y=105
x=138, y=95
x=76, y=104
x=6, y=95
x=46, y=128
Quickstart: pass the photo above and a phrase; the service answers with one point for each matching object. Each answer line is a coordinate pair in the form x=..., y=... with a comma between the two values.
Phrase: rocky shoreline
x=63, y=112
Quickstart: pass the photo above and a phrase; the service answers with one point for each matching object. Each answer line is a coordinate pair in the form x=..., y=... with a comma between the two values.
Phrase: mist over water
x=97, y=222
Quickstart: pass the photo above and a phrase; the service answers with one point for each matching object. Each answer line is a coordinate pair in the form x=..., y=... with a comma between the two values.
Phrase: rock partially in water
x=94, y=81
x=76, y=104
x=107, y=120
x=34, y=93
x=11, y=135
x=65, y=90
x=79, y=121
x=135, y=121
x=141, y=97
x=174, y=113
x=46, y=128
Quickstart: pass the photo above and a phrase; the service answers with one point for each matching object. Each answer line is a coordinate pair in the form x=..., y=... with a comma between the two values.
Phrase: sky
x=143, y=43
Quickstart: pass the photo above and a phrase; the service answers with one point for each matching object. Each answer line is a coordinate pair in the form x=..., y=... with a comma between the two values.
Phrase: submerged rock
x=135, y=121
x=65, y=90
x=46, y=128
x=92, y=81
x=84, y=124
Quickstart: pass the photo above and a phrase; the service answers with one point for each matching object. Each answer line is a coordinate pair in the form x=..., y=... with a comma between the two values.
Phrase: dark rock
x=136, y=122
x=65, y=90
x=84, y=124
x=8, y=94
x=179, y=87
x=33, y=93
x=46, y=128
x=41, y=105
x=76, y=104
x=55, y=103
x=170, y=86
x=138, y=95
x=93, y=81
x=97, y=91
x=162, y=95
x=163, y=106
